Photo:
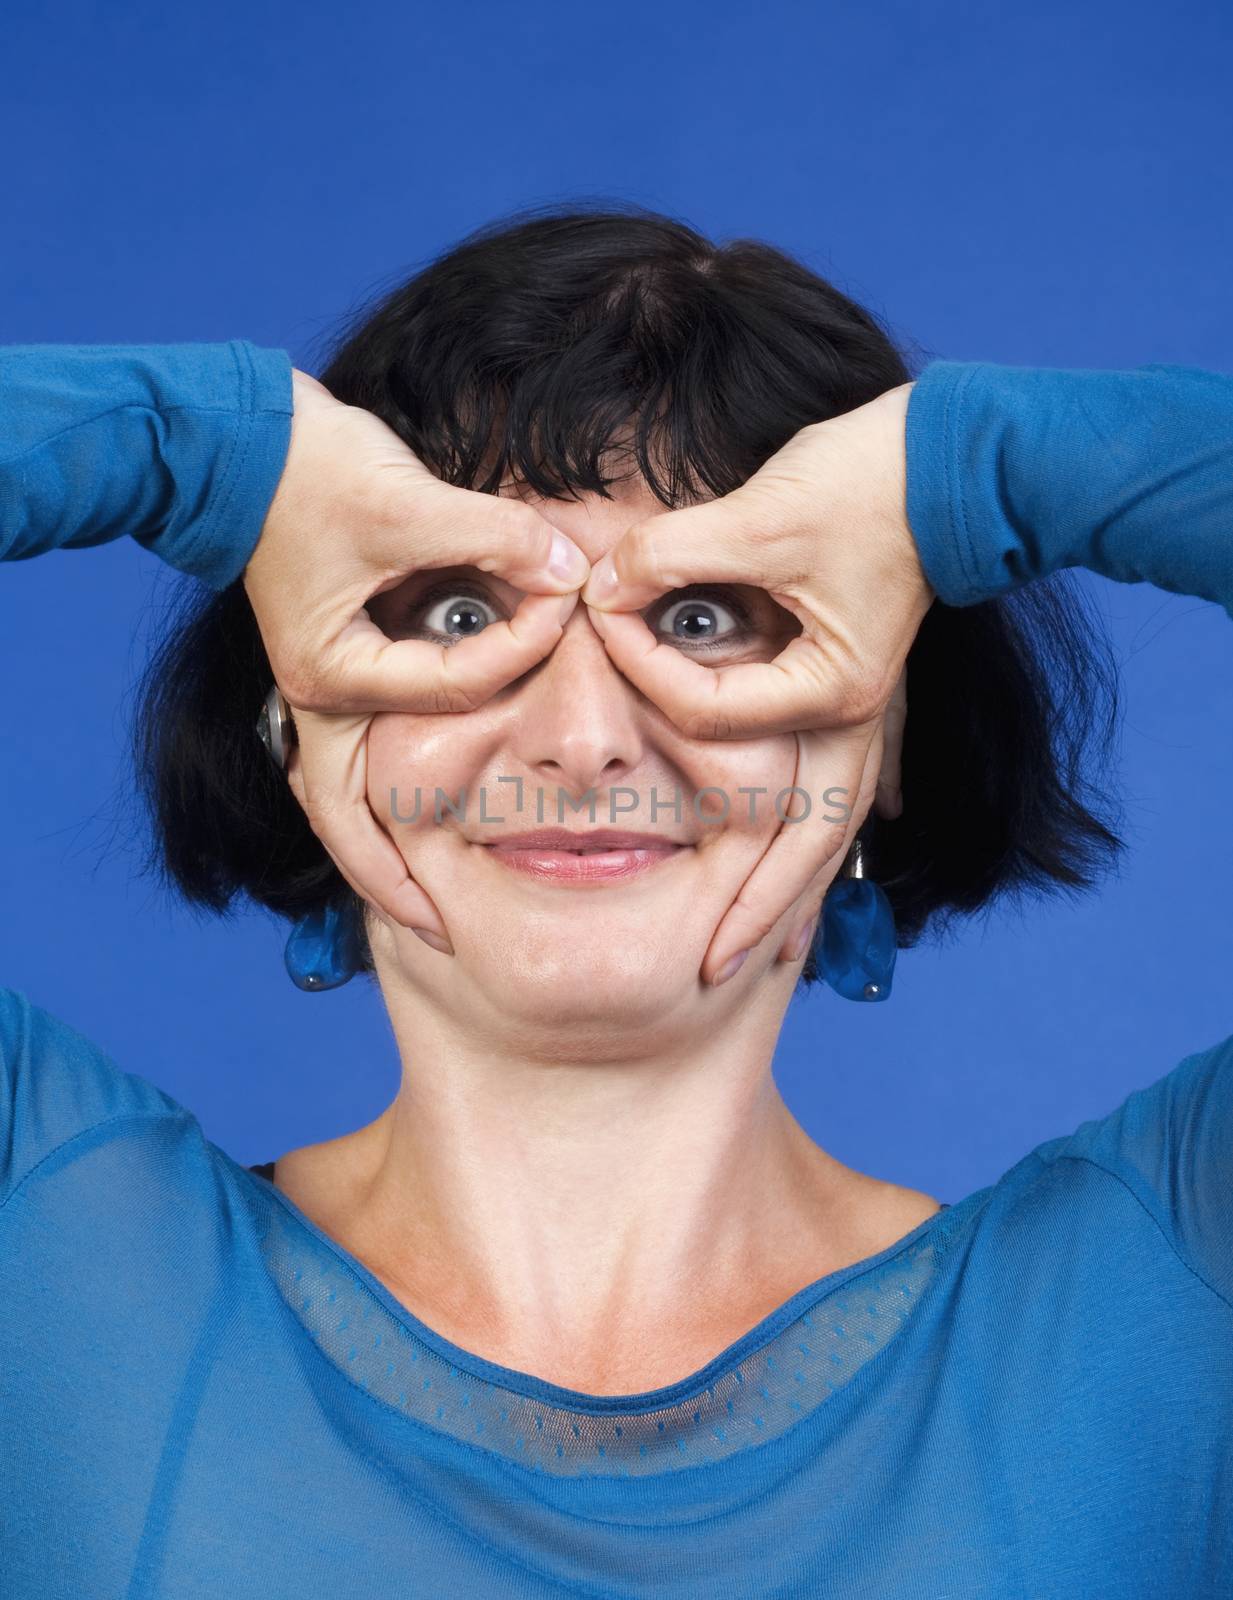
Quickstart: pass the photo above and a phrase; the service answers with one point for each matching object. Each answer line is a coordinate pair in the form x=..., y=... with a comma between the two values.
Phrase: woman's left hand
x=822, y=526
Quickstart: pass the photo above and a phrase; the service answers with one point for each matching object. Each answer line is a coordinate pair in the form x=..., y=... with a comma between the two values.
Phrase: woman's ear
x=888, y=799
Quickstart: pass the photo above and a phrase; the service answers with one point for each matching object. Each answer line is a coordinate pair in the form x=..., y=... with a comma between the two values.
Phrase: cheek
x=748, y=777
x=407, y=754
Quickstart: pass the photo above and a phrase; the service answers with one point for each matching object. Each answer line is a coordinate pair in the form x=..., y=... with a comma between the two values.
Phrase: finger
x=366, y=671
x=797, y=690
x=741, y=538
x=295, y=781
x=444, y=525
x=888, y=801
x=837, y=771
x=331, y=783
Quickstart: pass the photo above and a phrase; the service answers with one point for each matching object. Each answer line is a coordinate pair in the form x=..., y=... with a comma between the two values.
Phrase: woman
x=585, y=1311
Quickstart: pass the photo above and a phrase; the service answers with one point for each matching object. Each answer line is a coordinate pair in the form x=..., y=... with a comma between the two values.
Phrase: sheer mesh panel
x=761, y=1395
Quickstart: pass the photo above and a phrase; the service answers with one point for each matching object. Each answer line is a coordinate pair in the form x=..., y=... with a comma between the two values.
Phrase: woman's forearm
x=181, y=446
x=1014, y=472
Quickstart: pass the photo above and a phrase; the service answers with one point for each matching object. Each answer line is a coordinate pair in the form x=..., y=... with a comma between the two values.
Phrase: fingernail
x=730, y=968
x=802, y=942
x=602, y=584
x=569, y=604
x=565, y=560
x=434, y=940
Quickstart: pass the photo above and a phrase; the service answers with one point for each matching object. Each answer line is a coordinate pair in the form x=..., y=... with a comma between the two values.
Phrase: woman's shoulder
x=1169, y=1145
x=55, y=1085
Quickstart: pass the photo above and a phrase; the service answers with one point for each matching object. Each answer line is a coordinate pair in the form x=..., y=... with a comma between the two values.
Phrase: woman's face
x=546, y=937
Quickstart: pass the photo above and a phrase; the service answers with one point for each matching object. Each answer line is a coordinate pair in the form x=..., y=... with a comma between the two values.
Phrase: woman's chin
x=563, y=987
x=617, y=958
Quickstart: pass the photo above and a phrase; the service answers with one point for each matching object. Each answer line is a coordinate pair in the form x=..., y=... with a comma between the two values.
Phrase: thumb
x=740, y=538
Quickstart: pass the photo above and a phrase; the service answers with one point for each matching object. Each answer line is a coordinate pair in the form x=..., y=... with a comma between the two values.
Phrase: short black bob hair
x=528, y=347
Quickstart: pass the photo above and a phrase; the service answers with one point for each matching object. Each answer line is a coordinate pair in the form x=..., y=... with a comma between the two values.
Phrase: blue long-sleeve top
x=1030, y=1395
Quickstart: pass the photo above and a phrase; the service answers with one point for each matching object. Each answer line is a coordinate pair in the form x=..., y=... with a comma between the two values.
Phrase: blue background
x=1040, y=185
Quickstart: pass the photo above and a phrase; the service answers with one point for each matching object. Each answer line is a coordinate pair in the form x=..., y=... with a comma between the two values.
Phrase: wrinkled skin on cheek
x=627, y=951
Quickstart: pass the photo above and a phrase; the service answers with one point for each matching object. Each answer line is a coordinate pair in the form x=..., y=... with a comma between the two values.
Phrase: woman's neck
x=607, y=1224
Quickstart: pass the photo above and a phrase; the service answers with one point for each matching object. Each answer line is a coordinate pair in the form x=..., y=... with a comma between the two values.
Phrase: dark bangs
x=530, y=350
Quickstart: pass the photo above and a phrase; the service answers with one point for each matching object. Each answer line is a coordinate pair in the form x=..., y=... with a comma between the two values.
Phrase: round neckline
x=542, y=1389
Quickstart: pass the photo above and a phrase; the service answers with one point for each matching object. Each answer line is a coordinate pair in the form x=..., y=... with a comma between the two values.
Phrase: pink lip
x=603, y=855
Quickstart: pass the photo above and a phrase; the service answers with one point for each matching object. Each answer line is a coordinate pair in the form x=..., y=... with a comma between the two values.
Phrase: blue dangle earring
x=857, y=948
x=323, y=950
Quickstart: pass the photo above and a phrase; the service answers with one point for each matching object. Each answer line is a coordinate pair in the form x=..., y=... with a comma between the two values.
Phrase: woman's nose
x=575, y=716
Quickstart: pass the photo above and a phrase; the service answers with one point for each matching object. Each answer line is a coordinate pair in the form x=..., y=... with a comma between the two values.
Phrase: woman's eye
x=455, y=616
x=700, y=621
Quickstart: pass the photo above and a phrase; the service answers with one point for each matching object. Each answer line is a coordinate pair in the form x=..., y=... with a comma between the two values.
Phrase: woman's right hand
x=355, y=512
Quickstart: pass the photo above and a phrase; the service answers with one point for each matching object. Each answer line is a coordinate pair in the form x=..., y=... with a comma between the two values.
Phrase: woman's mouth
x=601, y=855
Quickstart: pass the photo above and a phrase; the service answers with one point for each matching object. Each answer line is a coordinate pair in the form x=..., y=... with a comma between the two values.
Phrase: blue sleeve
x=1171, y=1144
x=1015, y=472
x=55, y=1085
x=180, y=446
